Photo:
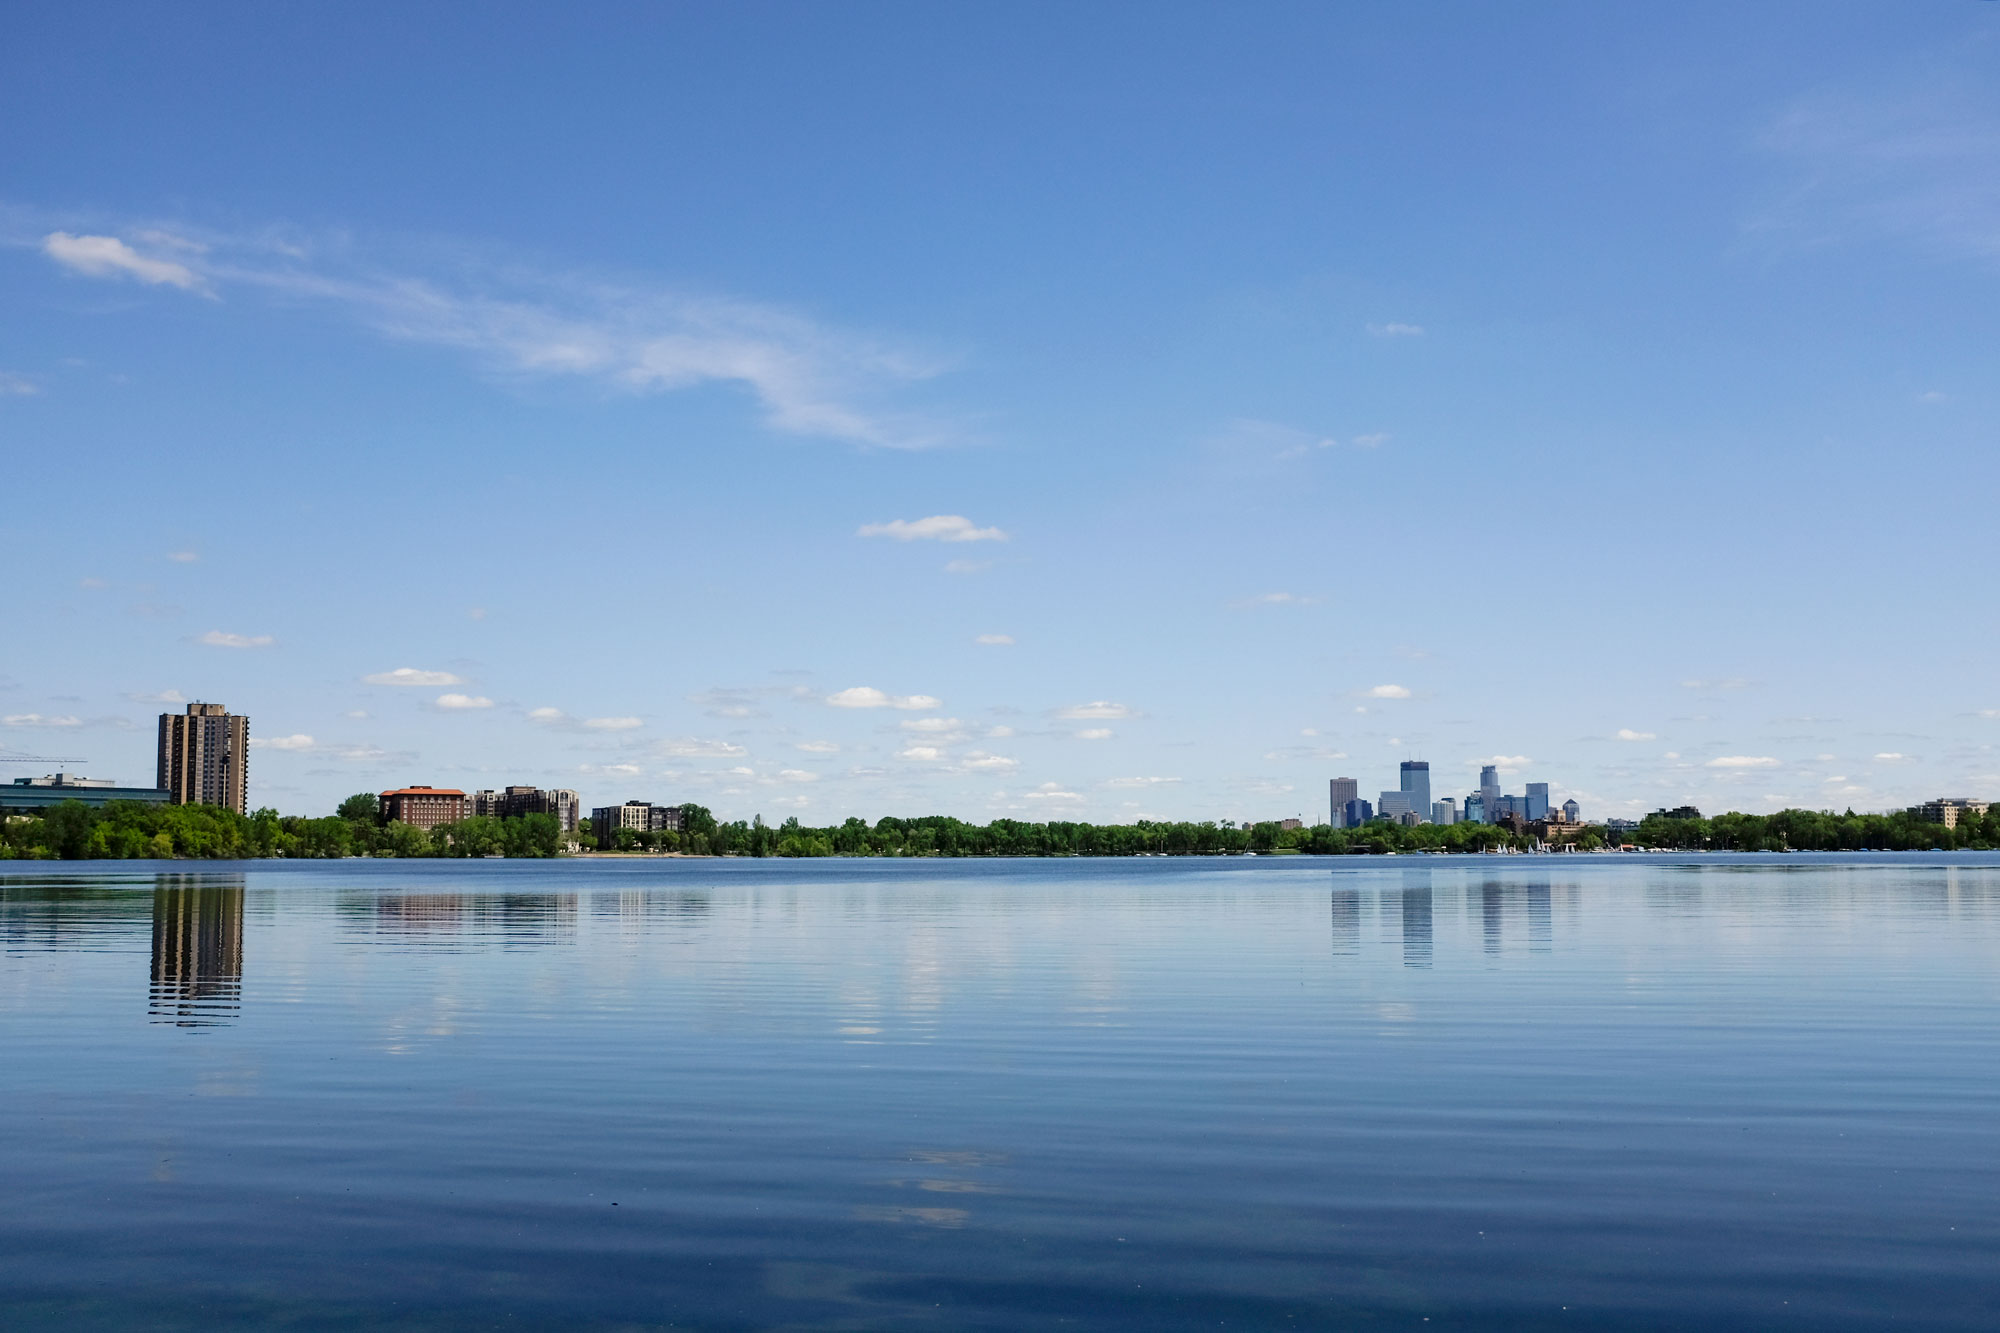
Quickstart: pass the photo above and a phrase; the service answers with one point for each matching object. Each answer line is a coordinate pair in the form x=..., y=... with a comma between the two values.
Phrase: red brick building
x=424, y=807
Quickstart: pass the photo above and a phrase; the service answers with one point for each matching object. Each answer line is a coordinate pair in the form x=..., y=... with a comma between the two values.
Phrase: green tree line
x=74, y=831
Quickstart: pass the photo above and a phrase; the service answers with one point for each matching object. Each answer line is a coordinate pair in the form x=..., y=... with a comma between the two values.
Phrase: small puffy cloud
x=109, y=257
x=1097, y=710
x=163, y=697
x=995, y=640
x=547, y=715
x=978, y=761
x=796, y=775
x=1393, y=330
x=216, y=638
x=936, y=528
x=38, y=720
x=1094, y=734
x=413, y=676
x=1139, y=784
x=12, y=385
x=1627, y=734
x=1743, y=761
x=615, y=770
x=866, y=696
x=1052, y=791
x=454, y=702
x=1388, y=692
x=184, y=557
x=817, y=747
x=931, y=725
x=1893, y=757
x=298, y=741
x=924, y=753
x=612, y=723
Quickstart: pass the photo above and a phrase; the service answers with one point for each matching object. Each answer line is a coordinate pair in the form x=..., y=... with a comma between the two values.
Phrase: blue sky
x=1045, y=411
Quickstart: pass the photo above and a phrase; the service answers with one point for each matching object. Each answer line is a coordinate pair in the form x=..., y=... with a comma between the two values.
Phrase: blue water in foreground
x=1438, y=1093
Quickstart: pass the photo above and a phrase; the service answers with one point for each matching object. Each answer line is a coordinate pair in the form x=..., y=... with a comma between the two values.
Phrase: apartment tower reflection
x=1346, y=921
x=197, y=949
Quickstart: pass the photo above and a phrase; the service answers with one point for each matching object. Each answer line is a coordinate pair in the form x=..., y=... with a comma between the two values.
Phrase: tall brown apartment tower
x=205, y=757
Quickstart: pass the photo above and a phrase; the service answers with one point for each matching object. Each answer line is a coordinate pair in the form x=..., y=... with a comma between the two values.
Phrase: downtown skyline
x=1073, y=419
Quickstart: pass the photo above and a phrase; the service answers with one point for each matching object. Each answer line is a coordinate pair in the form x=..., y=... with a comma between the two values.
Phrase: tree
x=362, y=808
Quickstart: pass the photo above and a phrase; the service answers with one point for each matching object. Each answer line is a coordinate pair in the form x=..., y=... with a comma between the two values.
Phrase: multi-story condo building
x=1475, y=810
x=205, y=757
x=1948, y=810
x=1340, y=791
x=424, y=807
x=517, y=801
x=1444, y=811
x=643, y=816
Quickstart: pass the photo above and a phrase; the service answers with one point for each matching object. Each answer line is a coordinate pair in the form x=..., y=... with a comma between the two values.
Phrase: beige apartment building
x=205, y=757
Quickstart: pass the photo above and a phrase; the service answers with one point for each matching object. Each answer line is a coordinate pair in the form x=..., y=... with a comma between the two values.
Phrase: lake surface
x=1287, y=1093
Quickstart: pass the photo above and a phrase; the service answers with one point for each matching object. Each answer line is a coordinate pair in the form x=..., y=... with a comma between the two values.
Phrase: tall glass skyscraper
x=1489, y=792
x=1417, y=785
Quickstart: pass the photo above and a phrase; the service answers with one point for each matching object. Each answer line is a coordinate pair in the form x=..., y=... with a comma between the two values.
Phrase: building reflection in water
x=1533, y=900
x=1346, y=921
x=1416, y=918
x=197, y=949
x=462, y=920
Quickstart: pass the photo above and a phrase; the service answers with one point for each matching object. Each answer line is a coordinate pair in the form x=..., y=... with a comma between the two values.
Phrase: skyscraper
x=1489, y=791
x=1538, y=800
x=1339, y=792
x=205, y=757
x=1417, y=785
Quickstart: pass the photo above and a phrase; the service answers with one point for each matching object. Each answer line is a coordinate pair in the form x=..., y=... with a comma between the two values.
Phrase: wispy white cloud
x=1096, y=710
x=296, y=741
x=1627, y=734
x=691, y=747
x=1387, y=692
x=457, y=702
x=1743, y=761
x=817, y=747
x=936, y=528
x=1395, y=330
x=867, y=696
x=163, y=697
x=17, y=386
x=109, y=257
x=1723, y=683
x=1278, y=599
x=184, y=557
x=1053, y=792
x=1139, y=784
x=216, y=638
x=921, y=753
x=994, y=640
x=39, y=720
x=612, y=723
x=967, y=566
x=810, y=378
x=979, y=761
x=413, y=676
x=1508, y=764
x=1094, y=734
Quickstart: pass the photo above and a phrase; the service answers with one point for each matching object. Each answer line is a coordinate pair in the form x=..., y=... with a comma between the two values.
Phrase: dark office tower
x=205, y=757
x=1339, y=792
x=1489, y=791
x=197, y=949
x=1417, y=786
x=1356, y=813
x=1538, y=800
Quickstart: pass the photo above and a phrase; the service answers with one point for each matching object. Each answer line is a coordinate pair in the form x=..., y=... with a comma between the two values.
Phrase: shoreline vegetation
x=129, y=831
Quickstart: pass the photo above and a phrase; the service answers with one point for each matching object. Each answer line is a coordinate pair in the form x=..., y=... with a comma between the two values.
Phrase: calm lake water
x=1438, y=1093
